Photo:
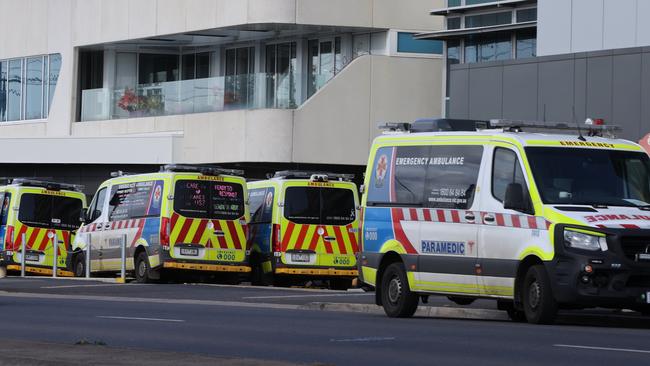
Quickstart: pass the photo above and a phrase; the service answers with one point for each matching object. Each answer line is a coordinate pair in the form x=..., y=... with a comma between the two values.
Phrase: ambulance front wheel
x=396, y=297
x=142, y=268
x=539, y=304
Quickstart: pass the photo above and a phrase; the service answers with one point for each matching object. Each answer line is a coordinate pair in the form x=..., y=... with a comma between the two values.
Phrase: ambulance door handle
x=219, y=233
x=107, y=226
x=470, y=217
x=488, y=218
x=329, y=238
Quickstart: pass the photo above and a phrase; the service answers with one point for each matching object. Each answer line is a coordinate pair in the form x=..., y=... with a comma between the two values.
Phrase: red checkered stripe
x=458, y=217
x=115, y=225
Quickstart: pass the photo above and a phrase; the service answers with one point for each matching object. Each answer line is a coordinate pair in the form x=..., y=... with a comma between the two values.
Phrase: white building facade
x=246, y=82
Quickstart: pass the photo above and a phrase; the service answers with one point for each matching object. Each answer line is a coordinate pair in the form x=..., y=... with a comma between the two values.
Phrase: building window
x=406, y=43
x=34, y=88
x=471, y=50
x=195, y=66
x=3, y=90
x=281, y=64
x=486, y=20
x=157, y=68
x=451, y=3
x=453, y=52
x=486, y=48
x=453, y=23
x=54, y=68
x=526, y=15
x=476, y=2
x=15, y=90
x=526, y=43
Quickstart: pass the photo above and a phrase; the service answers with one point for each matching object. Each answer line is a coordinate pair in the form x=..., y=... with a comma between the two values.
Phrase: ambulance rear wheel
x=539, y=304
x=396, y=297
x=142, y=269
x=79, y=265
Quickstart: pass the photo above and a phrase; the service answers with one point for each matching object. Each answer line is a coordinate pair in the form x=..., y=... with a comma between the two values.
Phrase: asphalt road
x=244, y=322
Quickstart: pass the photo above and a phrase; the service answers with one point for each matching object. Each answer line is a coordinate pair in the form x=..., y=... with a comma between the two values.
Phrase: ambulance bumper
x=318, y=272
x=612, y=278
x=208, y=267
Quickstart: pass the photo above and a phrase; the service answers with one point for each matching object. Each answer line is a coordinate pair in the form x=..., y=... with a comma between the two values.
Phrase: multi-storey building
x=89, y=86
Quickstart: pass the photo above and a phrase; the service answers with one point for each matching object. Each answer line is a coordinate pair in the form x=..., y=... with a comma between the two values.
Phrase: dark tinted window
x=208, y=199
x=506, y=170
x=5, y=199
x=97, y=204
x=135, y=200
x=436, y=176
x=261, y=204
x=315, y=205
x=47, y=211
x=583, y=176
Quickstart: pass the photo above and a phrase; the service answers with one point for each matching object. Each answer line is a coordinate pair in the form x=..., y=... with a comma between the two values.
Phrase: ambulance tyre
x=517, y=316
x=79, y=265
x=142, y=269
x=539, y=304
x=396, y=297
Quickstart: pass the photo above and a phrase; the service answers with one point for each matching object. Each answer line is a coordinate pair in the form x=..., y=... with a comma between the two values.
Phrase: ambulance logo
x=157, y=193
x=269, y=199
x=380, y=171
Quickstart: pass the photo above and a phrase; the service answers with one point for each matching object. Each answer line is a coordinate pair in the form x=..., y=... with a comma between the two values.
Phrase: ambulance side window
x=5, y=198
x=410, y=174
x=135, y=200
x=261, y=205
x=505, y=170
x=452, y=175
x=97, y=205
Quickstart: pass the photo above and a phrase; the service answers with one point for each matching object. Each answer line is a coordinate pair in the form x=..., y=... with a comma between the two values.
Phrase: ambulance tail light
x=165, y=230
x=9, y=238
x=276, y=242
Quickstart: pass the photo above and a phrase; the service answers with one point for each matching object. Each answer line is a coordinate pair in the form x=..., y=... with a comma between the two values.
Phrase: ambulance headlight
x=578, y=240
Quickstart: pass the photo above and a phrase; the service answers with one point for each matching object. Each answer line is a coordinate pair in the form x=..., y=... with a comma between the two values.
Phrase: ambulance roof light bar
x=313, y=176
x=51, y=186
x=435, y=125
x=205, y=170
x=594, y=127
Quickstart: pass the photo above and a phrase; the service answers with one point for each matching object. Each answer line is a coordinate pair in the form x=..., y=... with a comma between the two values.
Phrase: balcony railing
x=249, y=91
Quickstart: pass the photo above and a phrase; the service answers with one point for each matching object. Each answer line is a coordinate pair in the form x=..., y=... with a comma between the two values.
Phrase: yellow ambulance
x=41, y=216
x=184, y=217
x=304, y=225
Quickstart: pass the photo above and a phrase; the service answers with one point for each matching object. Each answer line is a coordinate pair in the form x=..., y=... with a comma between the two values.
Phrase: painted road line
x=270, y=288
x=144, y=319
x=96, y=285
x=364, y=339
x=601, y=348
x=303, y=296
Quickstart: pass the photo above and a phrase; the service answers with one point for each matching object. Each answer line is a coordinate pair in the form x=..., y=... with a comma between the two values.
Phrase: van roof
x=523, y=138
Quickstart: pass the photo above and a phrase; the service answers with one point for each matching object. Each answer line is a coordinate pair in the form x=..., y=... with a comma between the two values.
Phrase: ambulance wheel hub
x=534, y=295
x=394, y=290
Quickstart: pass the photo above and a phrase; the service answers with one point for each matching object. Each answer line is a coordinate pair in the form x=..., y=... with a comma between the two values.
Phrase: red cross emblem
x=156, y=193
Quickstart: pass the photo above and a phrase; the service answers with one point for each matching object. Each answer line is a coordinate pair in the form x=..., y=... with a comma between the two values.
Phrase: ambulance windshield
x=319, y=206
x=579, y=176
x=45, y=211
x=209, y=200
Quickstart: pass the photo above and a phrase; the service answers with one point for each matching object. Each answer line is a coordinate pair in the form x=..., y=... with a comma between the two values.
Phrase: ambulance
x=182, y=218
x=40, y=216
x=304, y=225
x=537, y=216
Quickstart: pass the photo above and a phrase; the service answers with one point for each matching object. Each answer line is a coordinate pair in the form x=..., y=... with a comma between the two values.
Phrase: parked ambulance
x=304, y=225
x=537, y=221
x=41, y=216
x=182, y=218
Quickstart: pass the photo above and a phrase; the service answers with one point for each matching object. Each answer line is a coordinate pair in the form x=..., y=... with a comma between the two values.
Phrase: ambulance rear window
x=209, y=200
x=319, y=206
x=5, y=199
x=56, y=212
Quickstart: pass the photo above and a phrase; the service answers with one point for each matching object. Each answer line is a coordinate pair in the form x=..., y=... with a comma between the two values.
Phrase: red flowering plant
x=130, y=101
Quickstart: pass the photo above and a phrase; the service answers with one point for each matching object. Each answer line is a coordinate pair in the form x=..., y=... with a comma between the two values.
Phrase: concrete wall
x=568, y=26
x=338, y=124
x=614, y=85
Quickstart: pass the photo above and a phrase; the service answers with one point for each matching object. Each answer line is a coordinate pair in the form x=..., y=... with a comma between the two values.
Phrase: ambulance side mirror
x=515, y=198
x=83, y=215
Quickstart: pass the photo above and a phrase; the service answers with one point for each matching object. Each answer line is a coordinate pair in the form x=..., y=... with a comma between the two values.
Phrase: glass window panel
x=451, y=3
x=476, y=2
x=34, y=88
x=203, y=65
x=485, y=20
x=53, y=76
x=14, y=91
x=158, y=68
x=471, y=51
x=453, y=23
x=453, y=52
x=406, y=43
x=526, y=44
x=326, y=59
x=503, y=47
x=3, y=90
x=526, y=15
x=188, y=67
x=313, y=66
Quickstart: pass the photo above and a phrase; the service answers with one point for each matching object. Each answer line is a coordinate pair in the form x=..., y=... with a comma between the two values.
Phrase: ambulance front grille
x=632, y=246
